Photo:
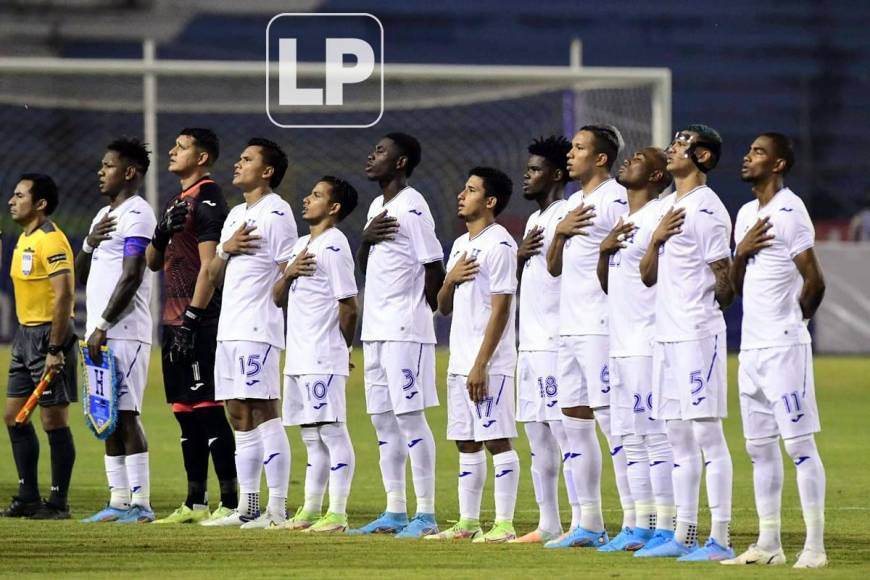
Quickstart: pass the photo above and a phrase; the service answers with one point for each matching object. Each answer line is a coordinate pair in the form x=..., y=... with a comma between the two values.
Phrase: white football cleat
x=757, y=556
x=267, y=520
x=232, y=520
x=811, y=559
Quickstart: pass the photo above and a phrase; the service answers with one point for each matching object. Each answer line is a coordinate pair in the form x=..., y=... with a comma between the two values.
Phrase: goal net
x=56, y=116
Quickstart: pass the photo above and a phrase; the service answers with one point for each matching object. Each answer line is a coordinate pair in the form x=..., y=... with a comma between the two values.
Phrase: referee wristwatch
x=54, y=349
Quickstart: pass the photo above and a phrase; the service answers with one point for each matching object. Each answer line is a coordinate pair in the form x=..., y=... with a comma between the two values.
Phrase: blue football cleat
x=579, y=538
x=421, y=525
x=659, y=537
x=386, y=523
x=712, y=551
x=669, y=549
x=628, y=540
x=137, y=514
x=107, y=514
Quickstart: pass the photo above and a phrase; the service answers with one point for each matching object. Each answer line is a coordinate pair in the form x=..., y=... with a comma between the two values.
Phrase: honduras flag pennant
x=100, y=392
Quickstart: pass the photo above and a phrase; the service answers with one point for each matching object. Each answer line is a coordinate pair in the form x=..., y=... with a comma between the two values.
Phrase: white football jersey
x=583, y=304
x=771, y=312
x=539, y=291
x=247, y=310
x=631, y=304
x=686, y=307
x=315, y=345
x=496, y=253
x=135, y=220
x=394, y=305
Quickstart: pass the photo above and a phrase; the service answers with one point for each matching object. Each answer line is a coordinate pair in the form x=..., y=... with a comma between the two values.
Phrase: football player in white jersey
x=319, y=290
x=112, y=265
x=584, y=375
x=402, y=261
x=537, y=365
x=479, y=292
x=689, y=257
x=255, y=245
x=649, y=459
x=776, y=270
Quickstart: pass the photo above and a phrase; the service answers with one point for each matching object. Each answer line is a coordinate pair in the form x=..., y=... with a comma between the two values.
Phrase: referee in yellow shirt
x=42, y=275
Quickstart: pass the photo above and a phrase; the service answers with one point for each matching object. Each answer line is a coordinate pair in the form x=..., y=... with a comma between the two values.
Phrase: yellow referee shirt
x=37, y=257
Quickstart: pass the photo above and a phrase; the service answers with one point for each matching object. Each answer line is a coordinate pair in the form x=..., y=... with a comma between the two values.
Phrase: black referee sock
x=63, y=457
x=25, y=450
x=194, y=450
x=222, y=445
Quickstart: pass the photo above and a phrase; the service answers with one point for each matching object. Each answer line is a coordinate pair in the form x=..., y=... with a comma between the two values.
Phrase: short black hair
x=555, y=150
x=206, y=140
x=133, y=151
x=783, y=148
x=43, y=188
x=274, y=157
x=343, y=193
x=608, y=140
x=709, y=138
x=495, y=184
x=409, y=147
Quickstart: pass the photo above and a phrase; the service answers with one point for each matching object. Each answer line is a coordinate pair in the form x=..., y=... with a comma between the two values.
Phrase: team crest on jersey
x=27, y=263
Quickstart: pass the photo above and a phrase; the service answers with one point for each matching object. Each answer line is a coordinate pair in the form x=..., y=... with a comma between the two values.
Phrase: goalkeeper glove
x=183, y=344
x=173, y=221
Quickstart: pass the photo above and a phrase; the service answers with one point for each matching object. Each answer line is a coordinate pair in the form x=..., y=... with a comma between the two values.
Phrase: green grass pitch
x=70, y=549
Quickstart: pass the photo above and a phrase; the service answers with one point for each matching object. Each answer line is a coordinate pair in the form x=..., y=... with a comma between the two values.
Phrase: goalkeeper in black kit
x=184, y=243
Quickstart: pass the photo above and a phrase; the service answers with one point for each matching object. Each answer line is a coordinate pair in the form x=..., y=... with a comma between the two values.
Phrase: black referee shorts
x=190, y=383
x=29, y=349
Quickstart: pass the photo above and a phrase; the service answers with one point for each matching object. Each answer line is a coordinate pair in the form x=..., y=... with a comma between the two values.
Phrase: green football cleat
x=461, y=530
x=331, y=522
x=218, y=515
x=500, y=533
x=185, y=515
x=302, y=520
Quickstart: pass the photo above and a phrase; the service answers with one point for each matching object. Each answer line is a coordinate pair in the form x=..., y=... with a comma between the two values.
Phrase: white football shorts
x=246, y=370
x=492, y=418
x=584, y=376
x=777, y=392
x=399, y=376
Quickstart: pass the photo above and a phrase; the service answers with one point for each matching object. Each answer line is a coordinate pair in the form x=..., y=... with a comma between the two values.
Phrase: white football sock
x=342, y=464
x=811, y=488
x=687, y=478
x=637, y=471
x=421, y=448
x=506, y=466
x=584, y=454
x=661, y=467
x=276, y=464
x=545, y=475
x=472, y=477
x=249, y=467
x=116, y=475
x=767, y=478
x=719, y=476
x=393, y=455
x=617, y=456
x=139, y=479
x=559, y=433
x=317, y=471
